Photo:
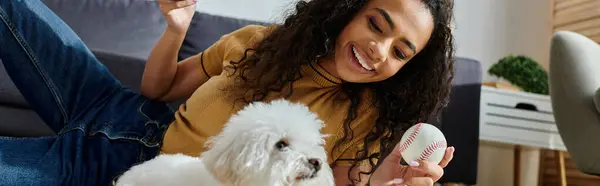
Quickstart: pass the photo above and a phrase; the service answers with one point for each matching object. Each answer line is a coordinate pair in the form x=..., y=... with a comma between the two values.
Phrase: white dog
x=265, y=144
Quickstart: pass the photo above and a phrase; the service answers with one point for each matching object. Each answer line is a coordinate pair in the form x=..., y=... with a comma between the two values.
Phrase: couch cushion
x=132, y=27
x=206, y=29
x=19, y=122
x=9, y=94
x=125, y=27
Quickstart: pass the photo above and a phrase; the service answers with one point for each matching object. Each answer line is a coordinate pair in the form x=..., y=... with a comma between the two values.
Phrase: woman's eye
x=374, y=25
x=400, y=54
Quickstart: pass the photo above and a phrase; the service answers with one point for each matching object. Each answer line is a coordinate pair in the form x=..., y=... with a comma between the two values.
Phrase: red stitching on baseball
x=410, y=138
x=431, y=148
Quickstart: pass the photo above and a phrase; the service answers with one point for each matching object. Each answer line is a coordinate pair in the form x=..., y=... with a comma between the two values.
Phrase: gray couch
x=121, y=34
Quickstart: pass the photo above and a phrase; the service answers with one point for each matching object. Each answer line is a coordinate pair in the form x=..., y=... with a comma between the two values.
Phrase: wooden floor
x=549, y=174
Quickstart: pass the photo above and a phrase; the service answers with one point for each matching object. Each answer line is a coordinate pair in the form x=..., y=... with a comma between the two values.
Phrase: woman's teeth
x=361, y=61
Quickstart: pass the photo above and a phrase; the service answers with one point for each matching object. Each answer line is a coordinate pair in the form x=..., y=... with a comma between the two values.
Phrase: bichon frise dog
x=264, y=144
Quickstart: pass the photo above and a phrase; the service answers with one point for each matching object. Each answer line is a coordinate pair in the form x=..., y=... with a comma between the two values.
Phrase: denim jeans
x=102, y=128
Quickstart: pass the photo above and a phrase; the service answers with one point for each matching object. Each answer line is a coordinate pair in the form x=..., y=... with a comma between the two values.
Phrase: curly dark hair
x=416, y=93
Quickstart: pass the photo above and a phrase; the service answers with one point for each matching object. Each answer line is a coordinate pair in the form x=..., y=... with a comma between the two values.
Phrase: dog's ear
x=255, y=152
x=235, y=156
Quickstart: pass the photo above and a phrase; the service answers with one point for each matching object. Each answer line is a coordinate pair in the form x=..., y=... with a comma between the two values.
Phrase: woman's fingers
x=419, y=181
x=447, y=157
x=432, y=170
x=395, y=156
x=414, y=181
x=175, y=4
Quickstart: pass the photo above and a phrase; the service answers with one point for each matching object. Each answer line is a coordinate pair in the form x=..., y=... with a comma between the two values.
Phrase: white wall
x=259, y=10
x=487, y=30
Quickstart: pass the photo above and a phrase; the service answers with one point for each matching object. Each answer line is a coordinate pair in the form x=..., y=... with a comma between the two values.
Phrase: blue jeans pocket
x=130, y=116
x=130, y=129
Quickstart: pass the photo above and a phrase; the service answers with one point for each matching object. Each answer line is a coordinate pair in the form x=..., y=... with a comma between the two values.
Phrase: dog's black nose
x=316, y=163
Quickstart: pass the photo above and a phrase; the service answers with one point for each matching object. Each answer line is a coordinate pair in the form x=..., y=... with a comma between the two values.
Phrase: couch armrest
x=460, y=122
x=127, y=69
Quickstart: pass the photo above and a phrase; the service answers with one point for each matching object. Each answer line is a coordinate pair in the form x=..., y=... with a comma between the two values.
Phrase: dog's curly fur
x=276, y=144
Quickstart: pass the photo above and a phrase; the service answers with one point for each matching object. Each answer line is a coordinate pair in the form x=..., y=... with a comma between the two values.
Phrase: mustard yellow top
x=208, y=109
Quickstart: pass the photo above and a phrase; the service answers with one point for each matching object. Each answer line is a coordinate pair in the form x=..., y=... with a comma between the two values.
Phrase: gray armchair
x=574, y=91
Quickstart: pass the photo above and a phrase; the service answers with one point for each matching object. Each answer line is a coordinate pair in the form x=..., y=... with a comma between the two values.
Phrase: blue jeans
x=102, y=128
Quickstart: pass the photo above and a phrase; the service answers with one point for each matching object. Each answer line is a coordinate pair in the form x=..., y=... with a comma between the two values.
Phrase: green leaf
x=522, y=72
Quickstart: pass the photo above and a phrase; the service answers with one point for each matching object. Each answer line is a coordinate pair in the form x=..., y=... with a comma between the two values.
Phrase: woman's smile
x=360, y=62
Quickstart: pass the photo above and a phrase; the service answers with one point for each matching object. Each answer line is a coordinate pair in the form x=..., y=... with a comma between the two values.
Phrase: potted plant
x=523, y=72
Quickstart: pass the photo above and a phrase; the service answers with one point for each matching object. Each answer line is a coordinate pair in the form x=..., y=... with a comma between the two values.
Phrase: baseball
x=423, y=142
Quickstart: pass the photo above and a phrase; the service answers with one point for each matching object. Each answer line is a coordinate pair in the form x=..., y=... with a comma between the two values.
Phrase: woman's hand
x=420, y=173
x=178, y=14
x=165, y=77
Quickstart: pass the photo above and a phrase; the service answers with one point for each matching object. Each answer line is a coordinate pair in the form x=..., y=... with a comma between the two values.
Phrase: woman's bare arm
x=166, y=80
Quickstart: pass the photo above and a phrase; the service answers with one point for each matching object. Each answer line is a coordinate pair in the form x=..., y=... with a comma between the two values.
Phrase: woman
x=369, y=68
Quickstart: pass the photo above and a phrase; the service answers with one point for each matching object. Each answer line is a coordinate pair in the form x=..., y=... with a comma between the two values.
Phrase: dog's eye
x=281, y=144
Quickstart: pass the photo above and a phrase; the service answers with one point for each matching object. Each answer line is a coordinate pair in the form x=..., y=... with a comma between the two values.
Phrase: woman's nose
x=376, y=52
